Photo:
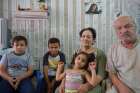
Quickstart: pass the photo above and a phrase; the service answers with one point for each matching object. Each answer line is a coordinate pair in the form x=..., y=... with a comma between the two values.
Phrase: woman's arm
x=96, y=79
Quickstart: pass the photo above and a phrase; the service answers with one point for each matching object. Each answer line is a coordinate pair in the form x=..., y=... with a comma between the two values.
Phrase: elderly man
x=124, y=57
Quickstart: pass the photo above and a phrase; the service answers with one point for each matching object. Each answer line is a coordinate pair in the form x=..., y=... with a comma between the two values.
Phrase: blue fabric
x=40, y=88
x=5, y=87
x=16, y=64
x=0, y=57
x=24, y=87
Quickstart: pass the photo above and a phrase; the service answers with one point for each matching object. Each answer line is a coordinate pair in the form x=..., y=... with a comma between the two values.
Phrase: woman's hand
x=84, y=88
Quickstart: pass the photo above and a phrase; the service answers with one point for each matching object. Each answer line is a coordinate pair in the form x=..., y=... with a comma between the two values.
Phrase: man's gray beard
x=129, y=37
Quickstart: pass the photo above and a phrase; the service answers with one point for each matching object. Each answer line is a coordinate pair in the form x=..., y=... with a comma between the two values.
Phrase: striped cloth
x=73, y=82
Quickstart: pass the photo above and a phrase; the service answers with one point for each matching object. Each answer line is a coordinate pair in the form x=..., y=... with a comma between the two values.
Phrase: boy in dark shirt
x=50, y=62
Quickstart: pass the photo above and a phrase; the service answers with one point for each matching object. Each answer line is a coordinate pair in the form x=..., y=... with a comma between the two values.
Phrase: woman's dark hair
x=74, y=57
x=19, y=38
x=92, y=30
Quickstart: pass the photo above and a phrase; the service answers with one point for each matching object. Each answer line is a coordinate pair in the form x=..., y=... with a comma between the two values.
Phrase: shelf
x=31, y=14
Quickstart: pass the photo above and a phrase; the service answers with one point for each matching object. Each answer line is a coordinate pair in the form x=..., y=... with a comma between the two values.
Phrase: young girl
x=77, y=75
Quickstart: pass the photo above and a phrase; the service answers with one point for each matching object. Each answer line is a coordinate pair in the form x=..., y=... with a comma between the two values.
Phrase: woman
x=87, y=40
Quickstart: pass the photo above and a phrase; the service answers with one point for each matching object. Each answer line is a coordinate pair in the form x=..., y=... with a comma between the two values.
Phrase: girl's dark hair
x=53, y=40
x=74, y=57
x=92, y=30
x=19, y=38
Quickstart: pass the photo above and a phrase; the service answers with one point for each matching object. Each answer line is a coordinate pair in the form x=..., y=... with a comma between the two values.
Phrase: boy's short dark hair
x=53, y=40
x=19, y=38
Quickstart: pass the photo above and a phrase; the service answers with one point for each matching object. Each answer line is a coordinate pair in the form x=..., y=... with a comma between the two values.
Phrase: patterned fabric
x=52, y=62
x=16, y=64
x=100, y=70
x=73, y=82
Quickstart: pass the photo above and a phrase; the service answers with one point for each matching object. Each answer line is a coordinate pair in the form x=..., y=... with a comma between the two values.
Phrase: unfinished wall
x=1, y=7
x=67, y=18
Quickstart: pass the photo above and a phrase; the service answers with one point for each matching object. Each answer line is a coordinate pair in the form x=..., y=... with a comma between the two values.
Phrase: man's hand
x=120, y=86
x=125, y=89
